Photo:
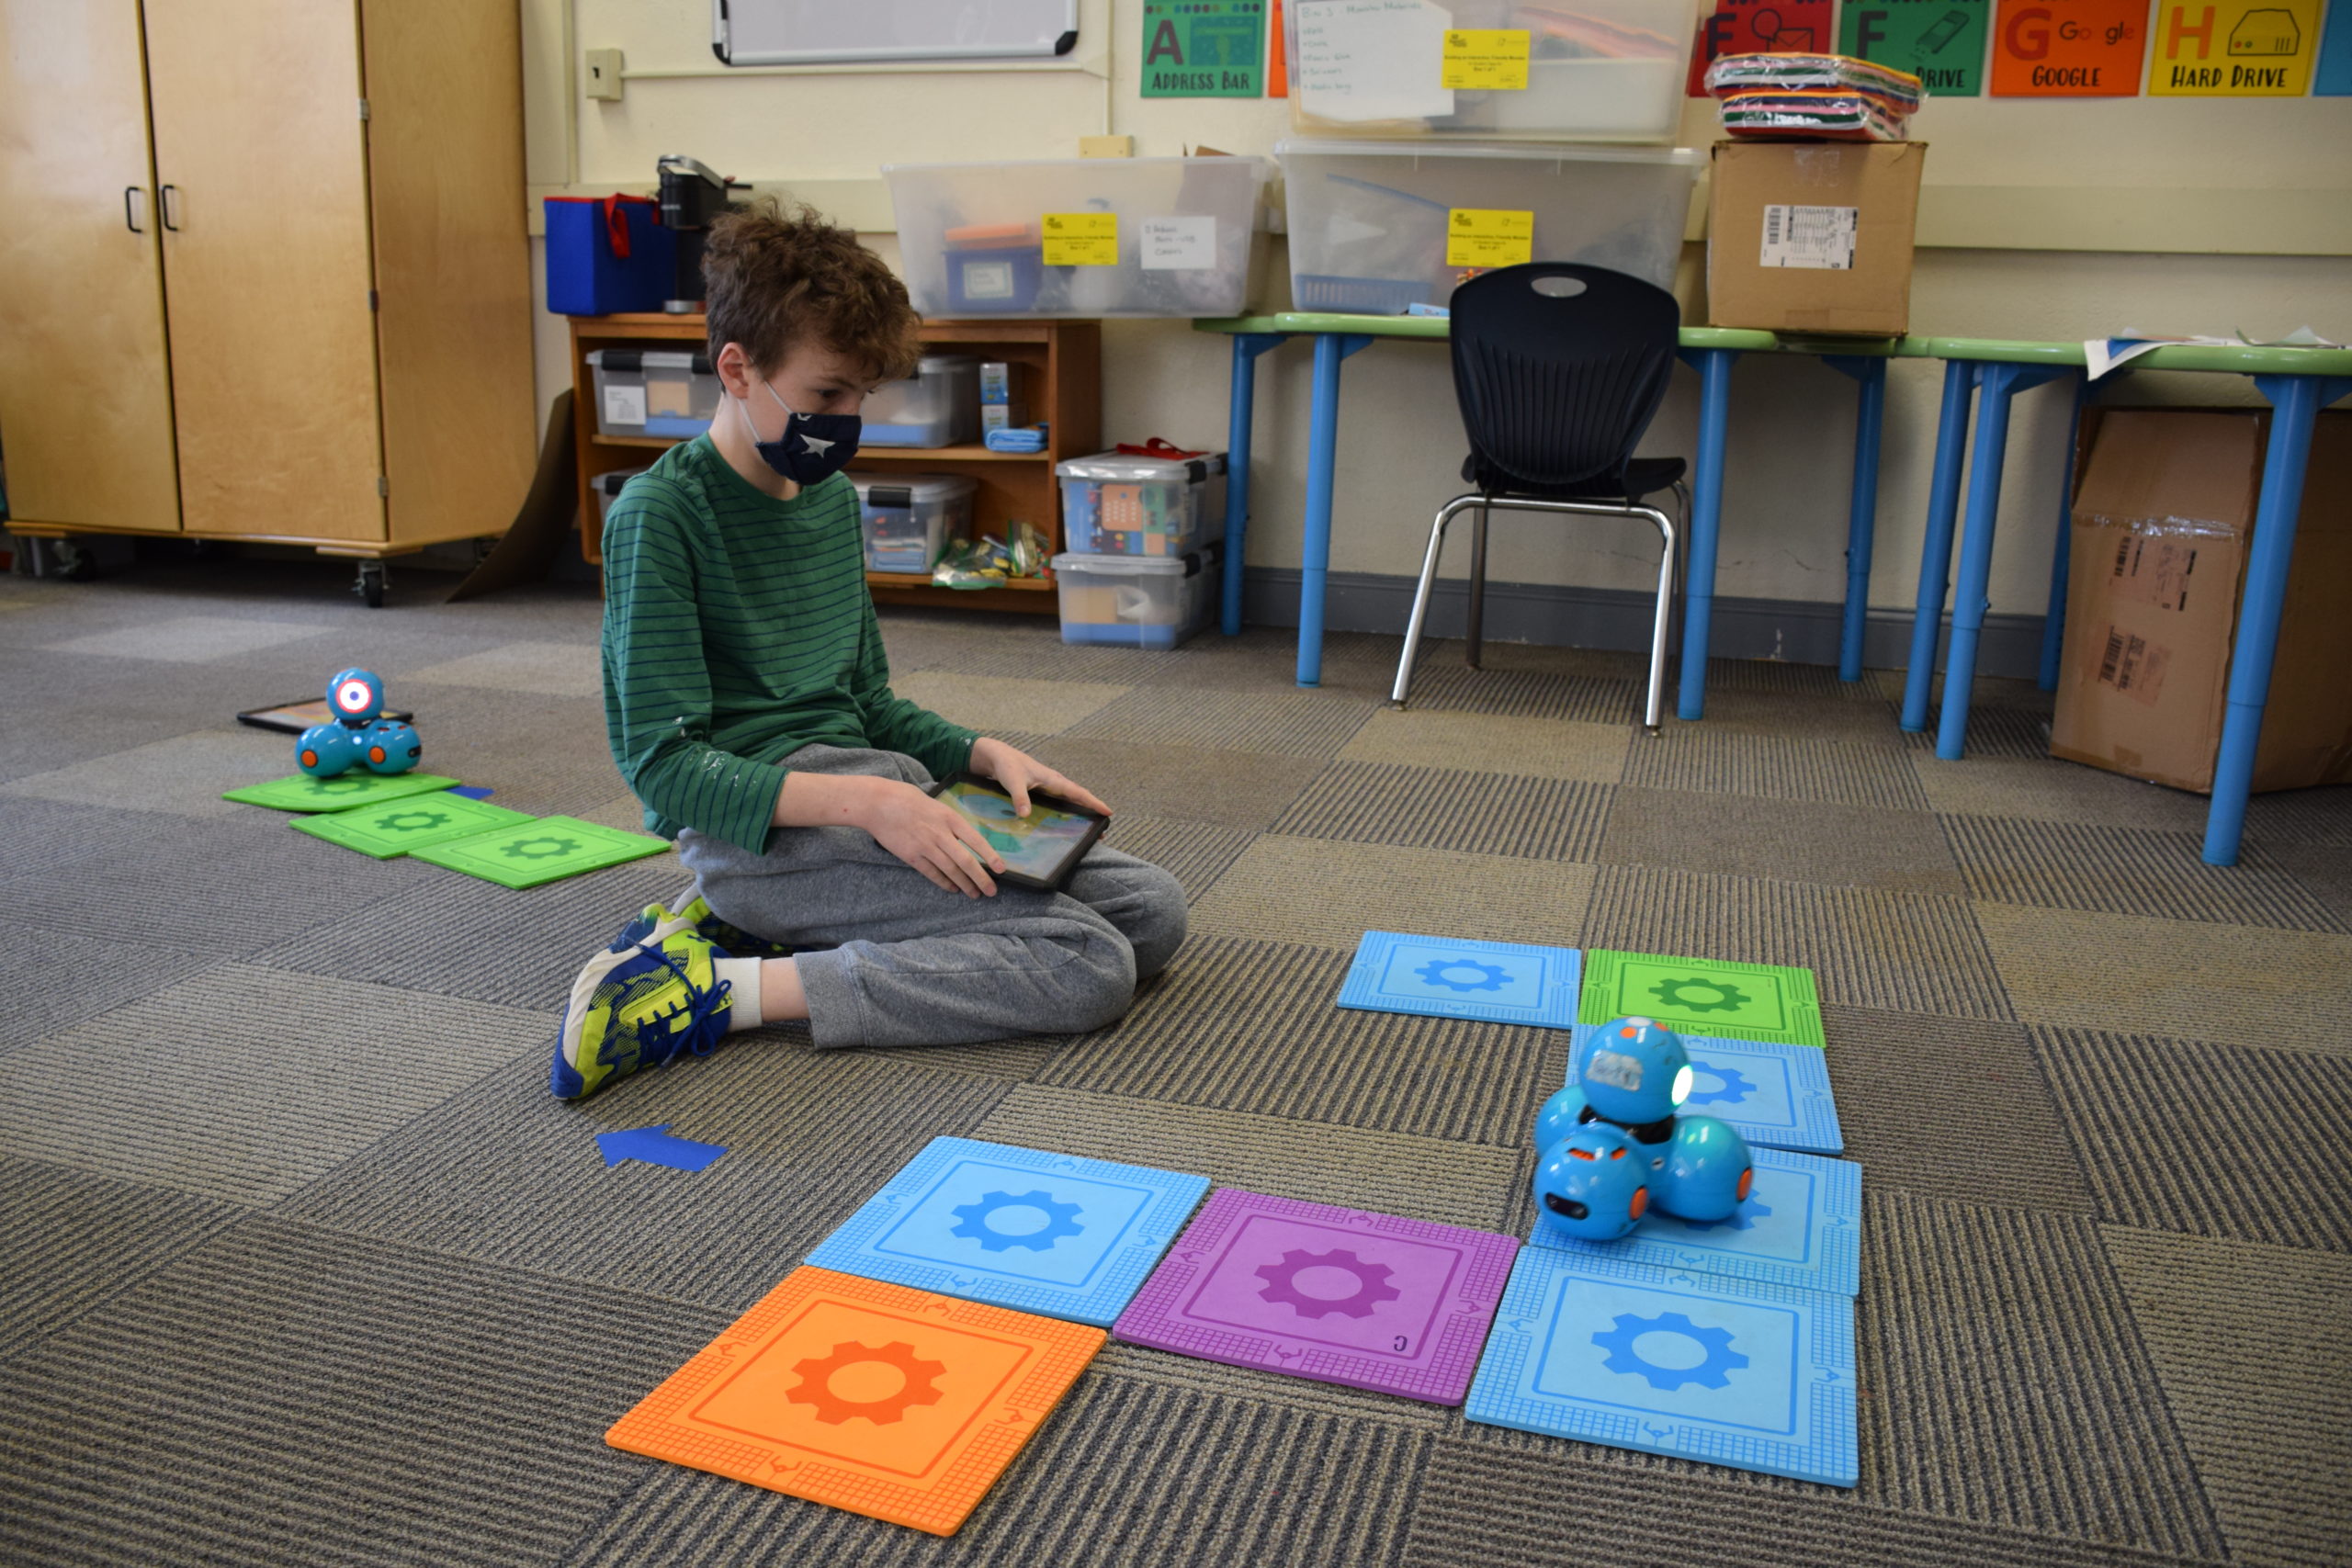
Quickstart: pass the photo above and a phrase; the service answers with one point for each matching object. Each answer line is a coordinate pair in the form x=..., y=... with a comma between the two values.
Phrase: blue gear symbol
x=972, y=1221
x=1731, y=1090
x=1712, y=1372
x=1491, y=976
x=1742, y=1218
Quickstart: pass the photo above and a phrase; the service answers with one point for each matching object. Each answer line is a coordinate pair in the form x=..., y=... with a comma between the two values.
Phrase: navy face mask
x=813, y=446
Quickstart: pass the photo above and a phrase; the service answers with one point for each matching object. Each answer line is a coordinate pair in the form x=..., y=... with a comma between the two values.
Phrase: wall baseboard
x=1802, y=631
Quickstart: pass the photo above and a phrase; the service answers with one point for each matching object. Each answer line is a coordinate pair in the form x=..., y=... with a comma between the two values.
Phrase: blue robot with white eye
x=1612, y=1146
x=358, y=735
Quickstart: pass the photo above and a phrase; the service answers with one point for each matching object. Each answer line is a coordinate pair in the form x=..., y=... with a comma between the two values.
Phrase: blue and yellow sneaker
x=641, y=1002
x=738, y=942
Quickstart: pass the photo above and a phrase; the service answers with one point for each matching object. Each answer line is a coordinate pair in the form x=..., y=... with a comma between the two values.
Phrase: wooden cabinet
x=1058, y=372
x=266, y=270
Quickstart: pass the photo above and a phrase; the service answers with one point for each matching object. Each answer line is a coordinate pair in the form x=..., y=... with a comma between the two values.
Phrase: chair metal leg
x=1445, y=516
x=1477, y=613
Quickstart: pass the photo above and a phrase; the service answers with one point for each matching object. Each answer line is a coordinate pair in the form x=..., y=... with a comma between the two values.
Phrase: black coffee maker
x=691, y=197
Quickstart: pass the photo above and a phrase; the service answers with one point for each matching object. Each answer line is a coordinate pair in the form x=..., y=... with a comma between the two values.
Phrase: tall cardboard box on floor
x=1812, y=236
x=2161, y=526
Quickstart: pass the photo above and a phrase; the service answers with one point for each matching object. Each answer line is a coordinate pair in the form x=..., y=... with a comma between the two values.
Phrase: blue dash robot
x=358, y=735
x=1611, y=1145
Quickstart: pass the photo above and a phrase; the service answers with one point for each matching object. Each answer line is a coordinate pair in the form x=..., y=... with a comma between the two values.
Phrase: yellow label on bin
x=1493, y=58
x=1082, y=239
x=1484, y=236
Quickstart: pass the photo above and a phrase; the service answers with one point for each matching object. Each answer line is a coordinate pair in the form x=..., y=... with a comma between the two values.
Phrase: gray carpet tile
x=286, y=1396
x=1328, y=892
x=1902, y=952
x=2190, y=979
x=2003, y=1378
x=1018, y=1059
x=2127, y=871
x=1843, y=717
x=1266, y=659
x=1442, y=738
x=1394, y=1173
x=243, y=1083
x=526, y=669
x=507, y=1174
x=185, y=774
x=1195, y=853
x=1185, y=784
x=1777, y=767
x=1290, y=724
x=1993, y=731
x=1794, y=840
x=2324, y=871
x=2140, y=1107
x=1447, y=808
x=1124, y=1474
x=1958, y=1108
x=38, y=834
x=191, y=639
x=97, y=1239
x=1480, y=1505
x=464, y=937
x=1250, y=1026
x=1524, y=693
x=1215, y=1380
x=2252, y=1344
x=2048, y=791
x=61, y=979
x=995, y=704
x=2320, y=815
x=1019, y=649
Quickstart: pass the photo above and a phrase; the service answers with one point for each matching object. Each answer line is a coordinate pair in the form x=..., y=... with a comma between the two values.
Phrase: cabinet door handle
x=171, y=206
x=131, y=208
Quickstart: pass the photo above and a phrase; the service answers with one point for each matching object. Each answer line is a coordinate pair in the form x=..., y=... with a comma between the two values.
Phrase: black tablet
x=1040, y=850
x=292, y=718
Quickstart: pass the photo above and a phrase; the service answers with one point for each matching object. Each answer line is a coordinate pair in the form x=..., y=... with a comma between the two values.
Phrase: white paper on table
x=2101, y=355
x=1368, y=60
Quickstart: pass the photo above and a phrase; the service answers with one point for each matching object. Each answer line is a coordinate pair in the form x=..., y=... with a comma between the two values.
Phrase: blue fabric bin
x=607, y=254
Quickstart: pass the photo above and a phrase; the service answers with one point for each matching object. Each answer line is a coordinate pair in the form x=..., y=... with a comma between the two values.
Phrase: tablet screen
x=1034, y=845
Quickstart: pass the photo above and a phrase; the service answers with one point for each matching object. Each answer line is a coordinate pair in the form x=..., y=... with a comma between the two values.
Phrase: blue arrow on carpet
x=656, y=1145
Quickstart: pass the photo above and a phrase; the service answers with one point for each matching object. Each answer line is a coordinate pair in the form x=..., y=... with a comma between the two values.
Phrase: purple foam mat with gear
x=1338, y=1295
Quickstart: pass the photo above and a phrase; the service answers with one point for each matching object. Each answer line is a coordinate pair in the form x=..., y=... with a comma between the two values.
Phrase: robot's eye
x=1567, y=1206
x=352, y=695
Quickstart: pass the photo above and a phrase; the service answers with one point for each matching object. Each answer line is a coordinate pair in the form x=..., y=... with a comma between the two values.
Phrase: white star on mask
x=811, y=443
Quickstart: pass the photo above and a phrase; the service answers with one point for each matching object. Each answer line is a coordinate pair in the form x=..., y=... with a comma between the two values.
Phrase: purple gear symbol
x=1282, y=1283
x=1713, y=1371
x=1731, y=1089
x=1741, y=1219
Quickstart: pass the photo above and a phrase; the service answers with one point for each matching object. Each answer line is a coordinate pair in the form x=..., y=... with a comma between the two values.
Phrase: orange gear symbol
x=817, y=1374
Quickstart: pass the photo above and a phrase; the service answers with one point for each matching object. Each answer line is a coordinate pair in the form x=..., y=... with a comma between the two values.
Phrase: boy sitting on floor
x=748, y=702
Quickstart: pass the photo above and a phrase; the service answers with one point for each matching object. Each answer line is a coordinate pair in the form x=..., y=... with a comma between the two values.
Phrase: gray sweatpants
x=891, y=958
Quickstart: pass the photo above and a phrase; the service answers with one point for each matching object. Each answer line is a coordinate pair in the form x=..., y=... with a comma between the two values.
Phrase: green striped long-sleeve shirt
x=736, y=630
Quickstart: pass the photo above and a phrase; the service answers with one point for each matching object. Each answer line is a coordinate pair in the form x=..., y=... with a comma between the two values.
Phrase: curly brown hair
x=779, y=276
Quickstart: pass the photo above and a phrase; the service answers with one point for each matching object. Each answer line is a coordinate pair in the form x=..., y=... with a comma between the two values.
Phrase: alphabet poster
x=2234, y=49
x=2069, y=49
x=1942, y=41
x=1759, y=26
x=1204, y=49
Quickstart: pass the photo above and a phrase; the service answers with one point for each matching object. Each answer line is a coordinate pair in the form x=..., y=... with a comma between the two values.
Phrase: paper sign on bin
x=1485, y=58
x=1082, y=239
x=1489, y=237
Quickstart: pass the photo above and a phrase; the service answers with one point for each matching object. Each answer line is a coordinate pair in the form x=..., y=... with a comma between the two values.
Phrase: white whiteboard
x=820, y=32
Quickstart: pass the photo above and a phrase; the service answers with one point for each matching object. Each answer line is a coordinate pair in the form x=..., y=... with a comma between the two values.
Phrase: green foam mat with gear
x=411, y=822
x=527, y=854
x=345, y=792
x=1770, y=1002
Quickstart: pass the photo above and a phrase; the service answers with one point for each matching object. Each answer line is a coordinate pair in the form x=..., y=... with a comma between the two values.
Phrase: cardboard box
x=1812, y=236
x=2161, y=519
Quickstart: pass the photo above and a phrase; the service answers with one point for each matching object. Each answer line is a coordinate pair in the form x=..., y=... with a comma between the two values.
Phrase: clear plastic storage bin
x=1078, y=236
x=651, y=392
x=910, y=518
x=1369, y=221
x=1137, y=601
x=939, y=405
x=1606, y=71
x=607, y=488
x=1114, y=504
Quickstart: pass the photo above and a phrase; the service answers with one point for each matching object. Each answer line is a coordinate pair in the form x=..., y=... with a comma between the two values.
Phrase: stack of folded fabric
x=1831, y=96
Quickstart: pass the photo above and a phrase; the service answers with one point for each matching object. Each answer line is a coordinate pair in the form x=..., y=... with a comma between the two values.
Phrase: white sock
x=743, y=975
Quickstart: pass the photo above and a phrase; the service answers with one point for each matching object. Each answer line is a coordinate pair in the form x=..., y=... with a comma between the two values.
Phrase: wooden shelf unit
x=1058, y=376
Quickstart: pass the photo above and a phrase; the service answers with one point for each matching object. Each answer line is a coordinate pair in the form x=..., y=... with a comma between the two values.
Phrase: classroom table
x=1712, y=351
x=2297, y=382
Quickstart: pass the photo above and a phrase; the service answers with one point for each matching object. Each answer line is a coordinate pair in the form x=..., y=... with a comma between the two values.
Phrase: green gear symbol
x=1725, y=997
x=523, y=848
x=412, y=821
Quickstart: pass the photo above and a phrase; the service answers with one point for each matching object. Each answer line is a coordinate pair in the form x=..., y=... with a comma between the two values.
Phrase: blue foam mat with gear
x=1493, y=982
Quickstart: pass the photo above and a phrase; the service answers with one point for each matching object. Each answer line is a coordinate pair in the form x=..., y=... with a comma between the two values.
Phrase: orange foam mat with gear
x=887, y=1402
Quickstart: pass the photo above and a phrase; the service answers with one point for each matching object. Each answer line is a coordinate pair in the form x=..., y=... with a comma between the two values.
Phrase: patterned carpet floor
x=300, y=1265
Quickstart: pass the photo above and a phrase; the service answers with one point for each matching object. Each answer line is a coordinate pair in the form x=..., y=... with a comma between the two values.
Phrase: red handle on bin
x=617, y=222
x=1158, y=446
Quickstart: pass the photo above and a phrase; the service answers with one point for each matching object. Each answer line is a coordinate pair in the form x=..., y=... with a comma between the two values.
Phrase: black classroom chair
x=1558, y=368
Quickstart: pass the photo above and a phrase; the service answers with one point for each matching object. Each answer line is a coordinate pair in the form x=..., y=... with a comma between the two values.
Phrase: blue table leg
x=1247, y=347
x=1322, y=459
x=2296, y=401
x=1861, y=511
x=1713, y=366
x=1969, y=595
x=2054, y=623
x=1935, y=550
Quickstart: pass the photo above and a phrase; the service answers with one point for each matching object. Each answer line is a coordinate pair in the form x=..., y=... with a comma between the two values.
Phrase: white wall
x=2211, y=174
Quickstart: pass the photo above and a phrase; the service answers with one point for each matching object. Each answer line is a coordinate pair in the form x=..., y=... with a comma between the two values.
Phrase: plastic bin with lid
x=1596, y=70
x=1136, y=601
x=1372, y=224
x=1078, y=236
x=910, y=518
x=939, y=405
x=652, y=392
x=1118, y=504
x=606, y=489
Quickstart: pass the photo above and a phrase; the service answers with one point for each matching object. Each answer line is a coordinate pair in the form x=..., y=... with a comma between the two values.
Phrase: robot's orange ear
x=310, y=758
x=1745, y=1179
x=1641, y=1203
